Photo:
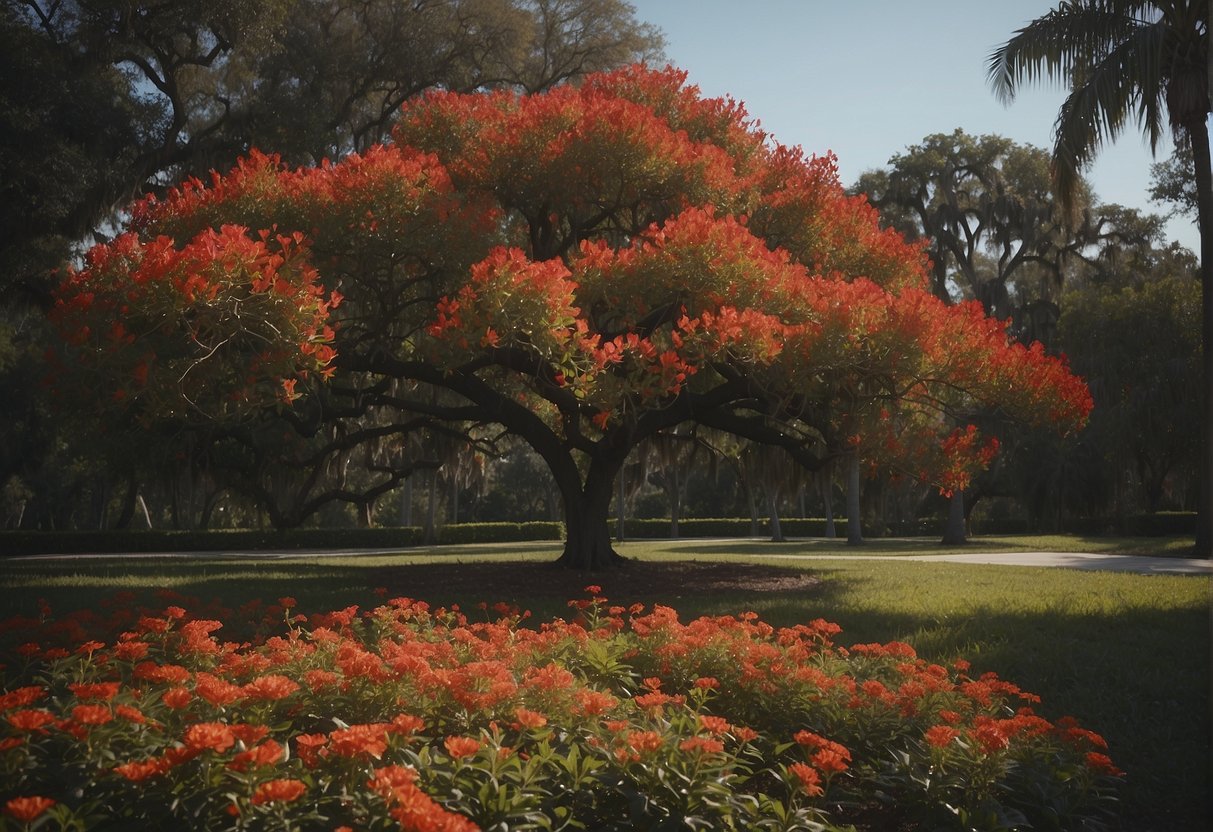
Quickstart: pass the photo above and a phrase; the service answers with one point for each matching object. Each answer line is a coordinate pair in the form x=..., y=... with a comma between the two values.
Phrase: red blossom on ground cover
x=471, y=724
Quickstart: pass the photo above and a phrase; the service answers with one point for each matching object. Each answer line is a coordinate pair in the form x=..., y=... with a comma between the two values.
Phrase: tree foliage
x=590, y=266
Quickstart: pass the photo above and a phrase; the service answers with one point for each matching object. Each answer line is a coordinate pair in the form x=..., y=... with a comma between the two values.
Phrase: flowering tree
x=590, y=266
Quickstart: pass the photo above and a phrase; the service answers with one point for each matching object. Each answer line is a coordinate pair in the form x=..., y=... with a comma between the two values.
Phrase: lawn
x=1128, y=655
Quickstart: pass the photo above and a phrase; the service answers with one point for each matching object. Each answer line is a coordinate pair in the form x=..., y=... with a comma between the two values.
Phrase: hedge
x=226, y=540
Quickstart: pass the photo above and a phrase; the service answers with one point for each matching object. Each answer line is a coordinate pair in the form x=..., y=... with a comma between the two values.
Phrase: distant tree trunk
x=406, y=502
x=773, y=512
x=749, y=493
x=826, y=487
x=431, y=509
x=675, y=495
x=147, y=516
x=127, y=513
x=854, y=527
x=954, y=532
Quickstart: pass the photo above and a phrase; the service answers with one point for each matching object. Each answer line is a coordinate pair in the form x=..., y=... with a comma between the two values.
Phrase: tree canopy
x=586, y=267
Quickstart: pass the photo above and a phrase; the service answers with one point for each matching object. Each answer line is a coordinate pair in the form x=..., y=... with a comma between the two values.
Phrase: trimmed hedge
x=227, y=540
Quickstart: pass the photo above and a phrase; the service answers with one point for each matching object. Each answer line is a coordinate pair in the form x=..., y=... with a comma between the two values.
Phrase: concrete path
x=1066, y=560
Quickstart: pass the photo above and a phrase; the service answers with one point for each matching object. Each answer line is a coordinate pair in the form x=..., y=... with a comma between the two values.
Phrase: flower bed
x=404, y=717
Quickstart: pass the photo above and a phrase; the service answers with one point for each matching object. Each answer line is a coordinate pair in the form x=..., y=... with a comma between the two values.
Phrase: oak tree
x=590, y=266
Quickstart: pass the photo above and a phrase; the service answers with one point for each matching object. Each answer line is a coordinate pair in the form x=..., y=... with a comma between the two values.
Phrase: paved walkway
x=1066, y=560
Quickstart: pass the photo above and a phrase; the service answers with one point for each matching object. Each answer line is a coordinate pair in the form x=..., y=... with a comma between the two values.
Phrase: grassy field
x=1129, y=655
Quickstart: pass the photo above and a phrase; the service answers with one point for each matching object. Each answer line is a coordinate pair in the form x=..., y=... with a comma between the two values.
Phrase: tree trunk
x=406, y=502
x=587, y=544
x=854, y=529
x=127, y=512
x=773, y=512
x=954, y=532
x=431, y=510
x=675, y=496
x=621, y=508
x=827, y=498
x=147, y=515
x=1198, y=133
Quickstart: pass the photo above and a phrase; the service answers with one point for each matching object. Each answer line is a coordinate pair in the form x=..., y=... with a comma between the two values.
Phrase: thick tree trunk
x=854, y=527
x=1198, y=134
x=621, y=503
x=954, y=532
x=587, y=544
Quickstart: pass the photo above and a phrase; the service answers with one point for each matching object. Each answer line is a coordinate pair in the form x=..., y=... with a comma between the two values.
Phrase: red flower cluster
x=493, y=703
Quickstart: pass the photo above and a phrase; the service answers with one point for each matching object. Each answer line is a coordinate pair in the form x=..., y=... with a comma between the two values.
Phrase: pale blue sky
x=868, y=78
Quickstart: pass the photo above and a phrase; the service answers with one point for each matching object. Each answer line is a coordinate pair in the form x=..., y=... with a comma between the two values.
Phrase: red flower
x=309, y=747
x=279, y=791
x=270, y=688
x=139, y=770
x=99, y=690
x=1102, y=763
x=529, y=719
x=459, y=747
x=20, y=697
x=941, y=736
x=92, y=714
x=30, y=720
x=358, y=740
x=267, y=754
x=215, y=736
x=25, y=809
x=807, y=778
x=404, y=724
x=177, y=698
x=705, y=745
x=832, y=759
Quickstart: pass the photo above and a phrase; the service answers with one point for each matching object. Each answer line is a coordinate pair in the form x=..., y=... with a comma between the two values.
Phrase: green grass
x=1129, y=655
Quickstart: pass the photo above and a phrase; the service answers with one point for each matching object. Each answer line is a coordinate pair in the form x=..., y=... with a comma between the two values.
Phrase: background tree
x=1145, y=415
x=1145, y=63
x=101, y=101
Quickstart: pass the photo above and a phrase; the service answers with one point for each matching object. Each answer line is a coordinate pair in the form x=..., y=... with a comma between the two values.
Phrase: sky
x=867, y=79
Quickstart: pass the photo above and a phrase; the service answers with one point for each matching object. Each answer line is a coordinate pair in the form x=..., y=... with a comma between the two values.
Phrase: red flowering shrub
x=418, y=719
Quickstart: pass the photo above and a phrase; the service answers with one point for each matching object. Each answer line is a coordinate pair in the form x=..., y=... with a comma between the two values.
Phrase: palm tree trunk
x=1198, y=134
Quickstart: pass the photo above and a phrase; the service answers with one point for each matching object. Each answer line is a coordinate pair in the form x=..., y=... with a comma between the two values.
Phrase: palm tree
x=1126, y=61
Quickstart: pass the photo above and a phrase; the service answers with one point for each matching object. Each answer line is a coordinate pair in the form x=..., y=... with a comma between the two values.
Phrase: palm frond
x=1127, y=85
x=1061, y=44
